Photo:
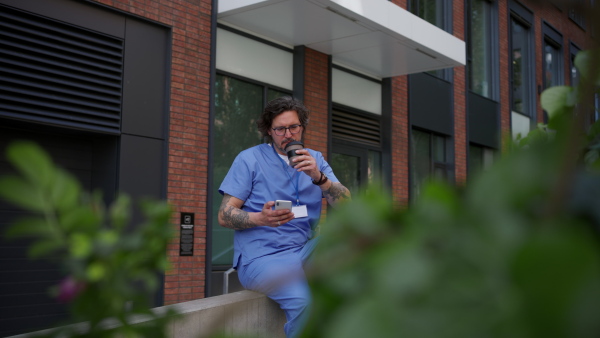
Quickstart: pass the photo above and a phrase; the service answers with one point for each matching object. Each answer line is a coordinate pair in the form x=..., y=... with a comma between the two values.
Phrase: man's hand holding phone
x=276, y=213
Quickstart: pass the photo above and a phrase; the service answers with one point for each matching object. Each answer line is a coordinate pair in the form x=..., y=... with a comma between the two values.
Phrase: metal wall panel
x=430, y=103
x=484, y=121
x=145, y=89
x=59, y=74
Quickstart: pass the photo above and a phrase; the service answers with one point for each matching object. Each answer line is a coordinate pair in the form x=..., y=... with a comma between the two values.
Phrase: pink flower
x=68, y=289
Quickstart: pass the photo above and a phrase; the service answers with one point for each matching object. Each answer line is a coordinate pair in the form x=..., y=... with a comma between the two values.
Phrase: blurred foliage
x=112, y=270
x=515, y=253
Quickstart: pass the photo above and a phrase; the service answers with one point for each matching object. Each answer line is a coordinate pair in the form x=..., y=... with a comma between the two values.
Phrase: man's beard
x=281, y=147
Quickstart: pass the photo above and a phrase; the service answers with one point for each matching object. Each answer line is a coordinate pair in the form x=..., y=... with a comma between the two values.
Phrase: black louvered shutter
x=356, y=128
x=55, y=73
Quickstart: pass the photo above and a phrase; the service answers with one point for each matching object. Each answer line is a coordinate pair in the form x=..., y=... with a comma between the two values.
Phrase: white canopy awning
x=372, y=36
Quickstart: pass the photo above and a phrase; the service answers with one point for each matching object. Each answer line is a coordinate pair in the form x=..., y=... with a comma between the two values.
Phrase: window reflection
x=521, y=100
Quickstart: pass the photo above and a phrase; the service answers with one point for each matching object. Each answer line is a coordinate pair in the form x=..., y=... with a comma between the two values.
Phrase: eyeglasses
x=294, y=129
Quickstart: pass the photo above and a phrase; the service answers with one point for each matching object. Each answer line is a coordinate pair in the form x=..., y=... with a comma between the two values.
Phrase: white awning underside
x=372, y=36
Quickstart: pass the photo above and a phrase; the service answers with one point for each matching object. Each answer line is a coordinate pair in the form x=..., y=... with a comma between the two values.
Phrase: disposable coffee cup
x=291, y=148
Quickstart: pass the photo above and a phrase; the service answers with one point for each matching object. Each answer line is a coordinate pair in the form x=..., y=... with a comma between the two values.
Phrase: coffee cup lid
x=294, y=143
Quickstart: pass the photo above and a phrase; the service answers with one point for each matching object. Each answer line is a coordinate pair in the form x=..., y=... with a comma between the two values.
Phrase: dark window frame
x=525, y=18
x=573, y=51
x=553, y=38
x=494, y=92
x=576, y=15
x=447, y=166
x=473, y=171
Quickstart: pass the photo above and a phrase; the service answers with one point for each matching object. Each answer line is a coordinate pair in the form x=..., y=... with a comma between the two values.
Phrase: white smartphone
x=282, y=204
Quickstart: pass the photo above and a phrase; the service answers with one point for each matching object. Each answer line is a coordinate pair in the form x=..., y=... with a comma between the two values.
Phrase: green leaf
x=120, y=211
x=32, y=161
x=44, y=248
x=557, y=100
x=30, y=227
x=95, y=271
x=550, y=272
x=65, y=190
x=584, y=61
x=591, y=157
x=80, y=245
x=81, y=218
x=108, y=237
x=22, y=193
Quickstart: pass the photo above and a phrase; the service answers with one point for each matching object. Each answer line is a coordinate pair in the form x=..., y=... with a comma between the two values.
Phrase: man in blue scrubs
x=272, y=246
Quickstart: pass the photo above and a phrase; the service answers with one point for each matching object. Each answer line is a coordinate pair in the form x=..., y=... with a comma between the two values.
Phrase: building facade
x=156, y=98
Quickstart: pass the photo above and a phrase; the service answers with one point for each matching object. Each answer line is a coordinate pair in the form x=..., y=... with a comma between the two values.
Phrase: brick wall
x=188, y=135
x=400, y=141
x=400, y=135
x=503, y=25
x=460, y=109
x=316, y=98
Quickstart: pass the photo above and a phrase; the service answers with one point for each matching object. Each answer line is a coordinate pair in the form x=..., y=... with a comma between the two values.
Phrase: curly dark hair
x=276, y=107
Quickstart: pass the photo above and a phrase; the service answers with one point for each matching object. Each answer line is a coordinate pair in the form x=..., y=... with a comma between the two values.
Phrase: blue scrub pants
x=281, y=277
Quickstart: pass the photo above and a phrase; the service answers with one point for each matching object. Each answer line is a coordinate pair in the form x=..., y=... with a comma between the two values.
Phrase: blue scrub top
x=257, y=176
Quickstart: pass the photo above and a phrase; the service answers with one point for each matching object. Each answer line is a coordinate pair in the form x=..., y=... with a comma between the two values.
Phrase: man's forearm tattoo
x=234, y=218
x=336, y=192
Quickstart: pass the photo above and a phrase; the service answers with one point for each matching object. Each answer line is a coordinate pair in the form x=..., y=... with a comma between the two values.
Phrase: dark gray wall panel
x=141, y=167
x=484, y=124
x=430, y=103
x=144, y=88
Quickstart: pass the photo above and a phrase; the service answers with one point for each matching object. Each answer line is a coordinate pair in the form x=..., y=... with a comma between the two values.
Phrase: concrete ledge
x=243, y=313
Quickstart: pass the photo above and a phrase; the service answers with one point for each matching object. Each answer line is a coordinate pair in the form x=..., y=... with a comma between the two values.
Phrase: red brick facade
x=460, y=98
x=400, y=136
x=316, y=97
x=503, y=24
x=400, y=141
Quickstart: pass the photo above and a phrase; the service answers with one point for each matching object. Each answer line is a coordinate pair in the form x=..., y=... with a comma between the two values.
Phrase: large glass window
x=356, y=166
x=347, y=169
x=431, y=11
x=520, y=66
x=574, y=72
x=552, y=59
x=434, y=12
x=374, y=167
x=480, y=47
x=553, y=65
x=576, y=12
x=428, y=159
x=238, y=105
x=480, y=158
